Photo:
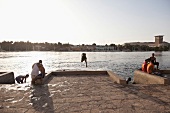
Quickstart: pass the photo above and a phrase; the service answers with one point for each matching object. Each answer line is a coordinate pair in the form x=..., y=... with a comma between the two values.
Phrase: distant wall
x=7, y=78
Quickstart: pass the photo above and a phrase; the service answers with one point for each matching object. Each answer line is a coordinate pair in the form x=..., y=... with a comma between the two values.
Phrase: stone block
x=7, y=78
x=116, y=78
x=141, y=77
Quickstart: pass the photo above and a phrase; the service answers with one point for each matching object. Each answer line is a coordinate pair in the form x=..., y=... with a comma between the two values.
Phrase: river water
x=121, y=63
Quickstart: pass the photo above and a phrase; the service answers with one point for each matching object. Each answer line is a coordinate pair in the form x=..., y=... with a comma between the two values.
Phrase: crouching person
x=36, y=69
x=21, y=78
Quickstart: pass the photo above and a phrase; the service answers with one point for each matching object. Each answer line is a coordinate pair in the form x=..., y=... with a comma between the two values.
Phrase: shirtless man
x=152, y=58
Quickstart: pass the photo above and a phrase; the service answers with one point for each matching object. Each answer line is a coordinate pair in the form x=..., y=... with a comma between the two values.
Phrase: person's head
x=40, y=61
x=27, y=75
x=145, y=62
x=153, y=54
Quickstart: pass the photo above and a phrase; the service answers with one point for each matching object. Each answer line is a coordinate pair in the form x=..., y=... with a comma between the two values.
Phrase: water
x=121, y=63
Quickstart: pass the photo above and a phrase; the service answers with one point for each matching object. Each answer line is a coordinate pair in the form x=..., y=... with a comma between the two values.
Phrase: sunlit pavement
x=84, y=94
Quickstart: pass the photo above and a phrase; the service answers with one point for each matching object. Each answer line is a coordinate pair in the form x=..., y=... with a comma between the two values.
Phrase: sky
x=84, y=21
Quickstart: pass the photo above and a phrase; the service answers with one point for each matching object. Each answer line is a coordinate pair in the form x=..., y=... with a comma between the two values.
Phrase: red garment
x=144, y=67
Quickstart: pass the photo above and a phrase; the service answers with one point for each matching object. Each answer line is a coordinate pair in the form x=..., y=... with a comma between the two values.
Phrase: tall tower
x=158, y=40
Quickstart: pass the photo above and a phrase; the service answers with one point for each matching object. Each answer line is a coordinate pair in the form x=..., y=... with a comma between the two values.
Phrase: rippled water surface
x=122, y=63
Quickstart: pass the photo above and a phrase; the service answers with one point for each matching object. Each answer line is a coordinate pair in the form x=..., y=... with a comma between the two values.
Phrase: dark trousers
x=19, y=80
x=157, y=64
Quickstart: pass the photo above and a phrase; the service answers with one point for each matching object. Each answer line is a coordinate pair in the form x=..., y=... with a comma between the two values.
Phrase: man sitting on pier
x=144, y=65
x=150, y=67
x=36, y=68
x=152, y=58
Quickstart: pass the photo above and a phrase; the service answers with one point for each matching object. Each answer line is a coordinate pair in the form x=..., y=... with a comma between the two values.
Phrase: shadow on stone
x=41, y=99
x=147, y=92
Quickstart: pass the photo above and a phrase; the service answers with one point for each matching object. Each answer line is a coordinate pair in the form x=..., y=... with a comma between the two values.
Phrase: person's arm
x=43, y=71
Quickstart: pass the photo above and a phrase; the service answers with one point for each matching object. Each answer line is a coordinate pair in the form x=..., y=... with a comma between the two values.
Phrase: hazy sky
x=84, y=21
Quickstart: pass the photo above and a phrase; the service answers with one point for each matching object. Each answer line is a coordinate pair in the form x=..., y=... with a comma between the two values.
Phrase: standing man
x=36, y=68
x=84, y=58
x=153, y=59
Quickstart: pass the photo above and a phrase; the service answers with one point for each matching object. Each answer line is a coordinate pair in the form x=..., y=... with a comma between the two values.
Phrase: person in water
x=84, y=58
x=38, y=72
x=152, y=58
x=21, y=78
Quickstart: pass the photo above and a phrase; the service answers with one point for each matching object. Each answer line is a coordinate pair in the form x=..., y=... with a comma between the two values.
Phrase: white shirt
x=35, y=70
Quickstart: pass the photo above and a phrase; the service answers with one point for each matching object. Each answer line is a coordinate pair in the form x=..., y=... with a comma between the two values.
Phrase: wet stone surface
x=84, y=94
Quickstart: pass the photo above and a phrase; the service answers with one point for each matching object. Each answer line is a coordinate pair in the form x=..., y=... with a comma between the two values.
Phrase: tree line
x=28, y=46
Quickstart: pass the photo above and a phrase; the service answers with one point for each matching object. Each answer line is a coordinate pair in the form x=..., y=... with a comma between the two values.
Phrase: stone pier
x=90, y=93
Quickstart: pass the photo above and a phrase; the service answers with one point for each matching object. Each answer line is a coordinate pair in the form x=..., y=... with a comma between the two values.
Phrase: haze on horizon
x=84, y=21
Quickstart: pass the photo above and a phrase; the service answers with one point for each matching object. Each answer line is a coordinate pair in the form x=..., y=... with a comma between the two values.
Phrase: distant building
x=158, y=42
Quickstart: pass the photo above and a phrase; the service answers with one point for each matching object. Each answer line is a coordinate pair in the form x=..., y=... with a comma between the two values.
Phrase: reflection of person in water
x=84, y=58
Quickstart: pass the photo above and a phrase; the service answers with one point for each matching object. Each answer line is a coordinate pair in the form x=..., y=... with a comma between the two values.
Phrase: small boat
x=141, y=77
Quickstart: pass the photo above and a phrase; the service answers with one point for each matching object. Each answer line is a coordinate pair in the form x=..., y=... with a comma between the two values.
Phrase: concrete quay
x=84, y=94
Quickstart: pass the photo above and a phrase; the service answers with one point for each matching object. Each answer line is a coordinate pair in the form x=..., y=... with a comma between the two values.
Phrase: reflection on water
x=122, y=63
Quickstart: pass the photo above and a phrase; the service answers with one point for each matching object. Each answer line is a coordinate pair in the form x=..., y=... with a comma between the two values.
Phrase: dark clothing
x=156, y=63
x=83, y=58
x=157, y=73
x=153, y=60
x=40, y=76
x=20, y=79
